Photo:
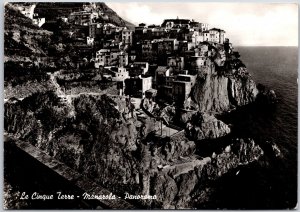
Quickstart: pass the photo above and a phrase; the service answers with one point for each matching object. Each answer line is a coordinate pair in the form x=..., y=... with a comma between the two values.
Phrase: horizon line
x=261, y=46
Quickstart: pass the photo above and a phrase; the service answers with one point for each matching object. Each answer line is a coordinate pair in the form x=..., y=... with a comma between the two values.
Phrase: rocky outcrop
x=100, y=144
x=219, y=92
x=204, y=126
x=174, y=147
x=266, y=96
x=210, y=91
x=190, y=180
x=241, y=90
x=96, y=140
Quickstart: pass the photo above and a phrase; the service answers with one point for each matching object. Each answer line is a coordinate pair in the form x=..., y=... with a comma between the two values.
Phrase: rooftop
x=217, y=29
x=176, y=21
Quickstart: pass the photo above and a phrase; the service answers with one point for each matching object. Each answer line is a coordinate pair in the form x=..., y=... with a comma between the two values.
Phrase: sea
x=272, y=182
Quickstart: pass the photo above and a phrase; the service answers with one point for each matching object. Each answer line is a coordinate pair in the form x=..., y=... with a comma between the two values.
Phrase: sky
x=246, y=24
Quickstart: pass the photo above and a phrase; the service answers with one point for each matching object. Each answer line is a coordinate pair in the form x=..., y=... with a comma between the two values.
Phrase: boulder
x=204, y=126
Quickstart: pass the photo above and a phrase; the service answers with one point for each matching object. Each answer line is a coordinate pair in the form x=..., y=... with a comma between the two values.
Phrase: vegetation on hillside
x=65, y=8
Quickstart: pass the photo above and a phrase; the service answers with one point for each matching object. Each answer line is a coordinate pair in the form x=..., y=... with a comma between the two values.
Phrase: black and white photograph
x=150, y=105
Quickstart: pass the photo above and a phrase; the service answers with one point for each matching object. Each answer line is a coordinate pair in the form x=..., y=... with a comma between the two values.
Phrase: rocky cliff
x=204, y=126
x=184, y=184
x=218, y=91
x=96, y=140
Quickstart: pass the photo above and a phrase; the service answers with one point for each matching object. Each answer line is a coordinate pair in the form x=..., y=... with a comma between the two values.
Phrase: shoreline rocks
x=204, y=126
x=101, y=146
x=190, y=179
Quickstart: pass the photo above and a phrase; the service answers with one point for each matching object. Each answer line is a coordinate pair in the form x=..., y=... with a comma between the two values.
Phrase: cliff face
x=210, y=91
x=96, y=140
x=183, y=184
x=218, y=91
x=204, y=126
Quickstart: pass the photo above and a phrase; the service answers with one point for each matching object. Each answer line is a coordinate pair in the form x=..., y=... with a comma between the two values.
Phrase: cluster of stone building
x=163, y=59
x=159, y=59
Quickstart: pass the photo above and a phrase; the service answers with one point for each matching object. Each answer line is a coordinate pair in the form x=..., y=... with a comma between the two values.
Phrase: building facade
x=127, y=36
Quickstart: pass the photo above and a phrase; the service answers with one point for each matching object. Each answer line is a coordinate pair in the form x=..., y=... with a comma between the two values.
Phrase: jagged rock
x=276, y=150
x=273, y=149
x=265, y=96
x=219, y=90
x=241, y=91
x=205, y=126
x=165, y=188
x=179, y=145
x=102, y=145
x=170, y=148
x=190, y=179
x=98, y=142
x=187, y=183
x=210, y=91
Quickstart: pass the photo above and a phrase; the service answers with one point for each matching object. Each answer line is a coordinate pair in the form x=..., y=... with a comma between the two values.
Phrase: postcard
x=148, y=105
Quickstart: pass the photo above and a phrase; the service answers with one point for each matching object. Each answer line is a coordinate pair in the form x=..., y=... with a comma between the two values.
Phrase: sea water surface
x=273, y=183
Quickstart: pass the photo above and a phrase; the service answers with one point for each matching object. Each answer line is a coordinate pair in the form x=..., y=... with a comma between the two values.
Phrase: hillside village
x=154, y=60
x=156, y=69
x=138, y=109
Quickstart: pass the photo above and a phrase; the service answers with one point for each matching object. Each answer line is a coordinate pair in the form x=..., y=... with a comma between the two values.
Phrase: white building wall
x=191, y=45
x=127, y=36
x=206, y=36
x=123, y=60
x=147, y=84
x=89, y=41
x=39, y=21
